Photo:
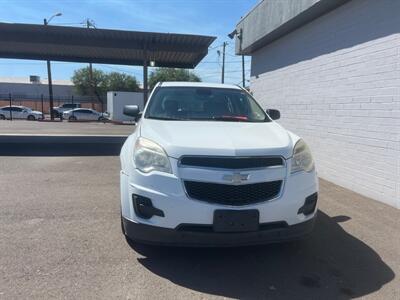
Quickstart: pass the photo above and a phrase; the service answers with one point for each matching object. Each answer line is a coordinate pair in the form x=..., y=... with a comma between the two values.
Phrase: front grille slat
x=233, y=194
x=231, y=162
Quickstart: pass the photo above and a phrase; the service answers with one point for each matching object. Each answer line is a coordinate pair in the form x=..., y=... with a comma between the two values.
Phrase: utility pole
x=88, y=24
x=10, y=99
x=243, y=78
x=223, y=62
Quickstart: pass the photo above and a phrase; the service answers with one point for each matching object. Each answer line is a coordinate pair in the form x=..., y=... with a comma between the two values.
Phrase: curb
x=61, y=145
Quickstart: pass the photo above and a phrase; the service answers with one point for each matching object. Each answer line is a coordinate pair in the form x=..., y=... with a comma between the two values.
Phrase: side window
x=6, y=109
x=16, y=109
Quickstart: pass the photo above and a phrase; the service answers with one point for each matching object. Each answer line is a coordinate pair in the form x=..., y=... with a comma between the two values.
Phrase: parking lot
x=63, y=128
x=61, y=238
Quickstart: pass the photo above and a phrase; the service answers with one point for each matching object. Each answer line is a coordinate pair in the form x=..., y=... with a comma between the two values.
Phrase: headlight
x=302, y=159
x=149, y=156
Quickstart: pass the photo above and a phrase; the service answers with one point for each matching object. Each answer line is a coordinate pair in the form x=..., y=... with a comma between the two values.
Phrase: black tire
x=31, y=118
x=122, y=227
x=72, y=118
x=2, y=117
x=101, y=119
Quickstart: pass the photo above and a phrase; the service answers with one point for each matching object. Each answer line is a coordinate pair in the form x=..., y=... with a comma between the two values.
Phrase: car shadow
x=330, y=264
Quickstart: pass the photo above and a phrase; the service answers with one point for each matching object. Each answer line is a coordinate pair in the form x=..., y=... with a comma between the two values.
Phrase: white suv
x=207, y=166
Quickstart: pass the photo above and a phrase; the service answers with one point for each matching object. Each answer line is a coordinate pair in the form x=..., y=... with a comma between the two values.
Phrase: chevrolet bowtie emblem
x=236, y=178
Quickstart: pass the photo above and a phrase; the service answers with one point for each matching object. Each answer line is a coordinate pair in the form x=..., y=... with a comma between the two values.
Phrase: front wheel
x=122, y=227
x=72, y=118
x=101, y=119
x=2, y=117
x=31, y=118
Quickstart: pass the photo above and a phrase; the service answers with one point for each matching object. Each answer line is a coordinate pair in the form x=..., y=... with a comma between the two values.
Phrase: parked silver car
x=19, y=112
x=84, y=114
x=59, y=110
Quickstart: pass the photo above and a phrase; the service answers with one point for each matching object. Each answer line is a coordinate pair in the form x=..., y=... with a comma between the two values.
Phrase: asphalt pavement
x=60, y=238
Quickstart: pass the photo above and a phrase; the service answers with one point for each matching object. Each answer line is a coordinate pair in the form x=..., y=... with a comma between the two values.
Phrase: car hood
x=219, y=138
x=36, y=112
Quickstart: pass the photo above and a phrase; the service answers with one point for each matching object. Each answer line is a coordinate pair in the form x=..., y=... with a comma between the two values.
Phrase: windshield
x=202, y=103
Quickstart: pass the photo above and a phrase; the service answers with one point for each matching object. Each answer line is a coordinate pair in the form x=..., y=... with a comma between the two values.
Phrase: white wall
x=117, y=100
x=337, y=84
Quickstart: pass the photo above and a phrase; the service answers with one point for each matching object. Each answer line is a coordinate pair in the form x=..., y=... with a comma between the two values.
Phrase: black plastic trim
x=231, y=162
x=144, y=207
x=310, y=204
x=154, y=235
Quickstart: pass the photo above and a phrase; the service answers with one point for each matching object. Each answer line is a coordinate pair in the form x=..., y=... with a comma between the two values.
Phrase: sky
x=207, y=17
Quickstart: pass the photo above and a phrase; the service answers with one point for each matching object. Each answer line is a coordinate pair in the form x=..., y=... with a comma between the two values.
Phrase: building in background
x=33, y=86
x=333, y=69
x=28, y=91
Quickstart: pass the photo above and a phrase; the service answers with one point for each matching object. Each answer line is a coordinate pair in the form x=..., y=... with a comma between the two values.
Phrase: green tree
x=81, y=80
x=102, y=82
x=121, y=82
x=170, y=74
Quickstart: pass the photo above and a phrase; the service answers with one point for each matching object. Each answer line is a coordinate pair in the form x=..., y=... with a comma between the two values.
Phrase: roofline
x=108, y=46
x=308, y=15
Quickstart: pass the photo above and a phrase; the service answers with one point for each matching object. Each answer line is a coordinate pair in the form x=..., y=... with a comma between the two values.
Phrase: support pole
x=50, y=84
x=41, y=99
x=145, y=84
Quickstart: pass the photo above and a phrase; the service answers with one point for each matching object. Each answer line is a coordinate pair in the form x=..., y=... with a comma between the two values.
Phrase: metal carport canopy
x=60, y=43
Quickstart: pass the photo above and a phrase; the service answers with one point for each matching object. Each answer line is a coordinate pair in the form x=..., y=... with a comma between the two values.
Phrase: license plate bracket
x=236, y=220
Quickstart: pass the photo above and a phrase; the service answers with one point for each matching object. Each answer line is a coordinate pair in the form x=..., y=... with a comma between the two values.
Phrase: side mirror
x=131, y=110
x=274, y=114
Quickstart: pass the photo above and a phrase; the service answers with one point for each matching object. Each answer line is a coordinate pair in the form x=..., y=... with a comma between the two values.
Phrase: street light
x=50, y=83
x=46, y=22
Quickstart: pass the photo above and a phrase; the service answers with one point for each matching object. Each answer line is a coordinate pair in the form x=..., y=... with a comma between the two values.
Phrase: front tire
x=31, y=118
x=2, y=117
x=122, y=227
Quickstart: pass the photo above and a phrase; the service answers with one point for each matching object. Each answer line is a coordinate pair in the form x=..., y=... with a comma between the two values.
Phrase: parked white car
x=20, y=112
x=59, y=110
x=84, y=114
x=207, y=166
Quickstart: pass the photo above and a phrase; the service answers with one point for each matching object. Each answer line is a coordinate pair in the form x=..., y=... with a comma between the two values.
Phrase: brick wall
x=336, y=81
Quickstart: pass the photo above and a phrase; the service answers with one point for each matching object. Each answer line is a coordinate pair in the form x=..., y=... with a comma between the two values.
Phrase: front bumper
x=167, y=194
x=270, y=233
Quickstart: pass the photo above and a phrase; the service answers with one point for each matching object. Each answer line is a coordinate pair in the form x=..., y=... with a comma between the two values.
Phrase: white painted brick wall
x=336, y=81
